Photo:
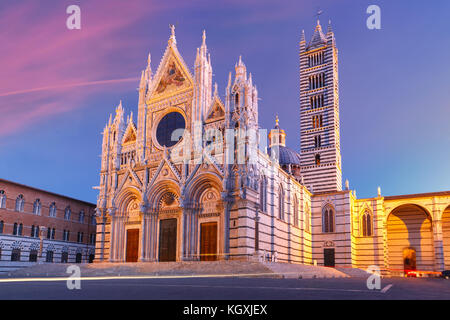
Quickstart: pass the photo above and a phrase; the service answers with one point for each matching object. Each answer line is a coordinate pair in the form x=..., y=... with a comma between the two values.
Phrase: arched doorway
x=446, y=236
x=168, y=213
x=410, y=239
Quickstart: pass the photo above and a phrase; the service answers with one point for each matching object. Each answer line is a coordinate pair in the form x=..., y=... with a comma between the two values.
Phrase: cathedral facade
x=195, y=179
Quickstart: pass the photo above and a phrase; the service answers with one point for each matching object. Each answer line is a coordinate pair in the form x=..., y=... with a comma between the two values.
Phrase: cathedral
x=197, y=179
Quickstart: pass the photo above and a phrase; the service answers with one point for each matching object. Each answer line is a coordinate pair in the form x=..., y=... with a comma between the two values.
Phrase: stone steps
x=292, y=270
x=191, y=268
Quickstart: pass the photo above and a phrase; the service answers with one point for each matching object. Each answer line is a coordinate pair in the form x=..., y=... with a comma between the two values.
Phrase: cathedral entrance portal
x=168, y=240
x=208, y=241
x=132, y=245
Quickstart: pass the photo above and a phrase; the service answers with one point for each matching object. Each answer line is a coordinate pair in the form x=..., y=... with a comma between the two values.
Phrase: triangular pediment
x=172, y=76
x=130, y=134
x=165, y=171
x=216, y=111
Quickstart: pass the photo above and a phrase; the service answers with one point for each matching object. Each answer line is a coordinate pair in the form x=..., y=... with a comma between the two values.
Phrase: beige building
x=213, y=189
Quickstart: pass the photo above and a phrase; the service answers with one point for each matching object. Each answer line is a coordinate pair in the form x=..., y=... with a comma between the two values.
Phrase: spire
x=329, y=29
x=216, y=93
x=172, y=39
x=318, y=37
x=240, y=69
x=149, y=61
x=277, y=122
x=303, y=36
x=142, y=83
x=204, y=38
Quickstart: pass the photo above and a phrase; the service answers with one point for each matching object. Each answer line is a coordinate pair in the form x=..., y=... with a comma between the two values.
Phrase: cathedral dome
x=287, y=156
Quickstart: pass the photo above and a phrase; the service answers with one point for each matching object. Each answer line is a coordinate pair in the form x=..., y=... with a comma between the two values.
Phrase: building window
x=52, y=210
x=281, y=204
x=316, y=81
x=92, y=238
x=296, y=212
x=17, y=229
x=327, y=220
x=263, y=195
x=33, y=256
x=317, y=121
x=66, y=235
x=81, y=217
x=15, y=254
x=20, y=203
x=2, y=199
x=80, y=237
x=316, y=101
x=1, y=226
x=49, y=256
x=366, y=224
x=317, y=141
x=51, y=233
x=67, y=213
x=93, y=221
x=37, y=207
x=317, y=159
x=64, y=257
x=34, y=231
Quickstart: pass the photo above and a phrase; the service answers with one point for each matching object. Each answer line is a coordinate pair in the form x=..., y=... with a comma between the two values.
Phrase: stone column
x=186, y=234
x=226, y=226
x=145, y=234
x=193, y=234
x=112, y=240
x=438, y=246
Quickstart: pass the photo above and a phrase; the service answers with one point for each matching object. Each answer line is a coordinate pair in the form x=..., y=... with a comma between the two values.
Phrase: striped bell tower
x=319, y=112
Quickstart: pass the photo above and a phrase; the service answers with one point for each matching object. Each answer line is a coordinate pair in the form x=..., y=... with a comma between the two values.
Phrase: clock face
x=165, y=132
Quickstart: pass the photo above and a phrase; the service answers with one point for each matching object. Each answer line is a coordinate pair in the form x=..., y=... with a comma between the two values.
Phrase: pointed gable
x=130, y=134
x=216, y=111
x=172, y=75
x=318, y=39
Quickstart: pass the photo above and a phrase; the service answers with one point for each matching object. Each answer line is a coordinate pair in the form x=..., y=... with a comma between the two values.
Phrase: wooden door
x=329, y=259
x=208, y=241
x=168, y=240
x=132, y=245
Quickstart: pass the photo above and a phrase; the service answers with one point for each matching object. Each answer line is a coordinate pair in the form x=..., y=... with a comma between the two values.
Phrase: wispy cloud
x=44, y=61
